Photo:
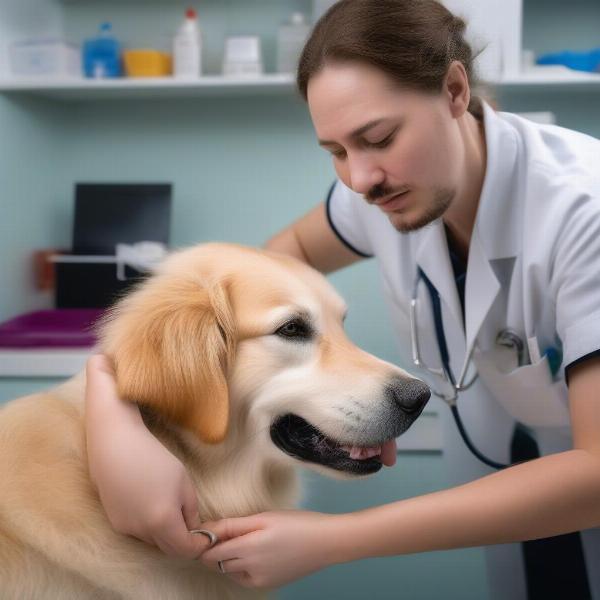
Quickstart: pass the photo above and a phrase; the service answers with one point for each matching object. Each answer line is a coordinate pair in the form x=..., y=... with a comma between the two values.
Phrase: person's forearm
x=286, y=242
x=548, y=496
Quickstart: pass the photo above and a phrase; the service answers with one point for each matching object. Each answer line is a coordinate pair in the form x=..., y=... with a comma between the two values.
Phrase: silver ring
x=209, y=534
x=221, y=565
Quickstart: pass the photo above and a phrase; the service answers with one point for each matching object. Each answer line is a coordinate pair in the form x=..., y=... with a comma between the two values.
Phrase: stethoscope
x=506, y=337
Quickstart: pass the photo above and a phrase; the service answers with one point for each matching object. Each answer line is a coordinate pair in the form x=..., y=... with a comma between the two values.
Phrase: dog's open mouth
x=298, y=438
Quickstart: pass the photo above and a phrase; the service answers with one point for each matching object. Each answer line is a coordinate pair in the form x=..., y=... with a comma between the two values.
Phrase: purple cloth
x=58, y=328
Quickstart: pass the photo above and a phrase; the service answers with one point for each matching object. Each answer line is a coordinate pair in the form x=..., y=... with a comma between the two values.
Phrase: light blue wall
x=32, y=147
x=242, y=169
x=554, y=25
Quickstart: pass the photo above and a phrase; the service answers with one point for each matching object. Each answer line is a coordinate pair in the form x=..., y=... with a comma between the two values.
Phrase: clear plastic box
x=44, y=57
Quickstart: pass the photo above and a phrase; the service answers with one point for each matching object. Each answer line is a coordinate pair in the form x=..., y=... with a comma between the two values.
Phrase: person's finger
x=189, y=508
x=242, y=578
x=232, y=566
x=238, y=547
x=100, y=363
x=174, y=539
x=100, y=377
x=187, y=545
x=226, y=529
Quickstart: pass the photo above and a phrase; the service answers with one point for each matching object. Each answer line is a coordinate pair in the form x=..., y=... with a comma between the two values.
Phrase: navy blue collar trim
x=334, y=228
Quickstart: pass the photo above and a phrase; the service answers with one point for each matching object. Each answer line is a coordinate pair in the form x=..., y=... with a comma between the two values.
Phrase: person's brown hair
x=413, y=41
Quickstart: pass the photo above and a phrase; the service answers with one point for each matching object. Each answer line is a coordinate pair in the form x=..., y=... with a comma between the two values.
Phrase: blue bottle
x=102, y=55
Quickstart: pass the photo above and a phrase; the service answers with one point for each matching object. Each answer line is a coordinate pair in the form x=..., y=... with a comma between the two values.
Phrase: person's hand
x=144, y=489
x=273, y=548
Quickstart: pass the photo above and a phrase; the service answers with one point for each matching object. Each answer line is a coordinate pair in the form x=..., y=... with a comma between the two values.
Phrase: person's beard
x=441, y=201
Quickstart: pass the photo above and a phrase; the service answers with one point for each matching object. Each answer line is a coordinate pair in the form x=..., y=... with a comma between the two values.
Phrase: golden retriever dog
x=239, y=362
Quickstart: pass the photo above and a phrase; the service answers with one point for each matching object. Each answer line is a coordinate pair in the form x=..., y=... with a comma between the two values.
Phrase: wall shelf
x=555, y=77
x=271, y=84
x=208, y=86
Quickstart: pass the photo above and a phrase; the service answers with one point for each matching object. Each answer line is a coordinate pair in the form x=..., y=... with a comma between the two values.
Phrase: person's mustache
x=378, y=192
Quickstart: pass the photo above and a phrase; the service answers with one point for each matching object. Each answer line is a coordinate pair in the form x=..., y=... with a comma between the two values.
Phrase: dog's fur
x=197, y=347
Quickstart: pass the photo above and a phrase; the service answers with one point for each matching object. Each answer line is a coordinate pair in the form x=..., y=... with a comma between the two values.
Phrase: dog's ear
x=172, y=343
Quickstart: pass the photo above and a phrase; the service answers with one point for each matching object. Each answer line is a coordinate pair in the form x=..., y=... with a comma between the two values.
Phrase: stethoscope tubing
x=445, y=358
x=469, y=444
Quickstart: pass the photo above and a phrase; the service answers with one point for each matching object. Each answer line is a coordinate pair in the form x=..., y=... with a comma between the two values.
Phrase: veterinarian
x=486, y=229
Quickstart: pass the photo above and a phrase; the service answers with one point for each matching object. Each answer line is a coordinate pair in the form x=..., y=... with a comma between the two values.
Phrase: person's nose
x=364, y=173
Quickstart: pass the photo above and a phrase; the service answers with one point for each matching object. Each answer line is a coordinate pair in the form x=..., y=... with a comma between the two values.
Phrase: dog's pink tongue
x=388, y=453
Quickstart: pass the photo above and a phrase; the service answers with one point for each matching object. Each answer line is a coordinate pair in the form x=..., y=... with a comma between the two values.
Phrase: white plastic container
x=291, y=38
x=187, y=48
x=44, y=58
x=243, y=56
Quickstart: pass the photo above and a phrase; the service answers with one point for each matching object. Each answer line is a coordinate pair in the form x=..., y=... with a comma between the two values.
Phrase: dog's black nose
x=410, y=395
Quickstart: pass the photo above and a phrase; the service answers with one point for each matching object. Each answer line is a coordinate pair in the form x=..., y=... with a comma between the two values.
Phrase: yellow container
x=146, y=63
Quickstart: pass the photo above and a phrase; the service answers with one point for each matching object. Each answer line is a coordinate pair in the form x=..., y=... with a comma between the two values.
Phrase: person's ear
x=171, y=343
x=457, y=89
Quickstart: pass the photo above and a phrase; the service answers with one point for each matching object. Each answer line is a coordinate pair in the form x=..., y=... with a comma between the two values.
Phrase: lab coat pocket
x=528, y=393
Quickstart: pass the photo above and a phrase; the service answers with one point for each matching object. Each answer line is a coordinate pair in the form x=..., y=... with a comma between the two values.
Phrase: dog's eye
x=294, y=329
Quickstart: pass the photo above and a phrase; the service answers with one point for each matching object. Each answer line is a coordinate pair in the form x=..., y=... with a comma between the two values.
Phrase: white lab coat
x=534, y=267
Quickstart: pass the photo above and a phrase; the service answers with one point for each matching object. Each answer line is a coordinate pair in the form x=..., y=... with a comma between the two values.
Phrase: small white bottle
x=187, y=48
x=291, y=38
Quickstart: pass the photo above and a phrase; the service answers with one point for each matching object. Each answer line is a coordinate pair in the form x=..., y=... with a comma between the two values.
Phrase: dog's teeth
x=360, y=453
x=373, y=451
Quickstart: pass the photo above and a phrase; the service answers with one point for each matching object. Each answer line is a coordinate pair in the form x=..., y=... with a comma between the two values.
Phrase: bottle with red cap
x=187, y=48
